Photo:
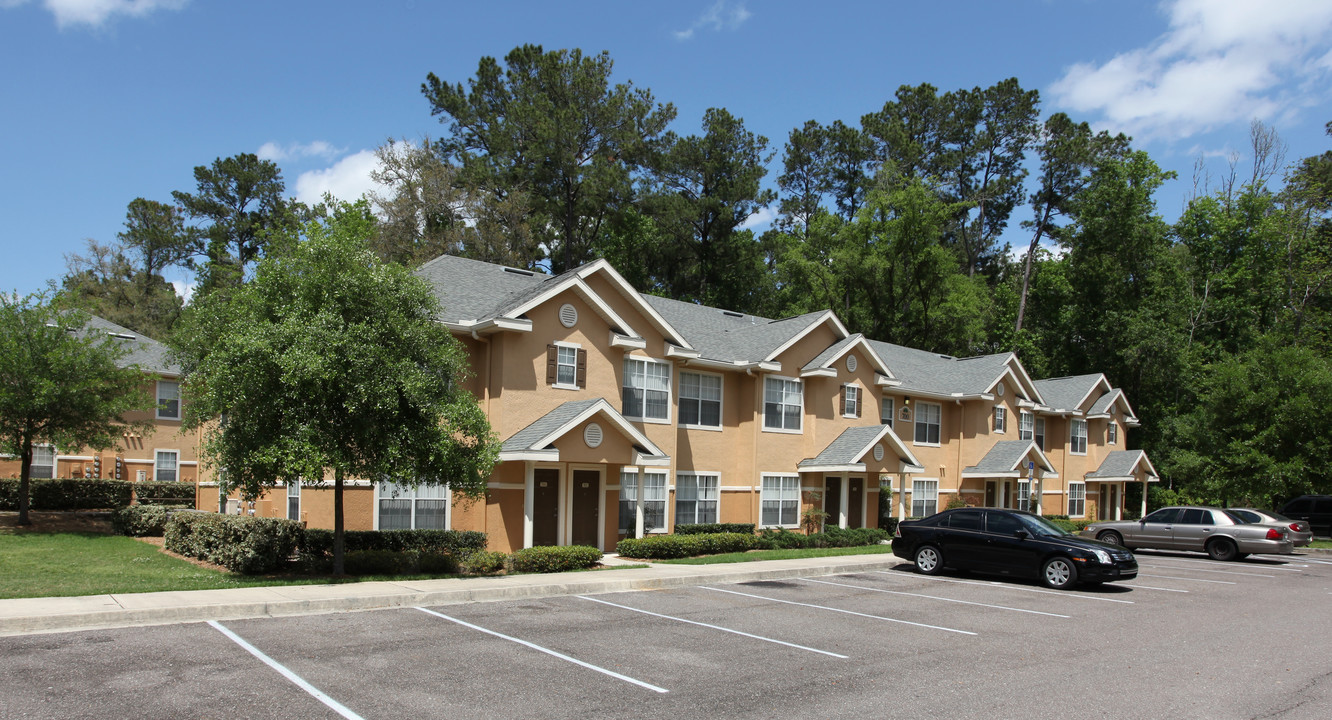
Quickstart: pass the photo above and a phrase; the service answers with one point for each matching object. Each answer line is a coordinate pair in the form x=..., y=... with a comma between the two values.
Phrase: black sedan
x=1009, y=542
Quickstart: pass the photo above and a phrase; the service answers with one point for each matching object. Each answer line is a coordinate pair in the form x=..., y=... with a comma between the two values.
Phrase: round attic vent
x=878, y=453
x=568, y=315
x=592, y=435
x=1000, y=389
x=850, y=363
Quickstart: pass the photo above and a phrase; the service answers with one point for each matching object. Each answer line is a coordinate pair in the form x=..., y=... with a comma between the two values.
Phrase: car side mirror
x=1021, y=535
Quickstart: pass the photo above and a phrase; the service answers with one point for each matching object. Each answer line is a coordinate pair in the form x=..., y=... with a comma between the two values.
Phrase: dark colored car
x=1313, y=509
x=1009, y=542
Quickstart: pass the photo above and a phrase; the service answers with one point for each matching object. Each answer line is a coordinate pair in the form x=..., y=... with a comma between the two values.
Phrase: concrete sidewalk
x=89, y=612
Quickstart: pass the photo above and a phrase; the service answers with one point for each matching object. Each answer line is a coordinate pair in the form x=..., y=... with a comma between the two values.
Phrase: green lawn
x=755, y=555
x=1325, y=544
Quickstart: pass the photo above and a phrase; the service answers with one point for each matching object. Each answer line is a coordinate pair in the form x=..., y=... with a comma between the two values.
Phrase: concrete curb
x=36, y=615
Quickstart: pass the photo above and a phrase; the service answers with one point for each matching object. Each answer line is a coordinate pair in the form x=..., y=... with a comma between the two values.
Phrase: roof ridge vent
x=516, y=271
x=122, y=336
x=732, y=313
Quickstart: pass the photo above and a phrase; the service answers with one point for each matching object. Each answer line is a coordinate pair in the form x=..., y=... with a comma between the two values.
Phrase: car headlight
x=1103, y=557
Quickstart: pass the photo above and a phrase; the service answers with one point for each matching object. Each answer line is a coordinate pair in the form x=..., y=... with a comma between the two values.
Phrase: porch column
x=1119, y=503
x=1143, y=513
x=901, y=497
x=638, y=502
x=528, y=501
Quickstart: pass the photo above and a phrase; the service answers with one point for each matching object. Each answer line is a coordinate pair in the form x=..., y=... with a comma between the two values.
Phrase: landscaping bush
x=483, y=562
x=781, y=539
x=711, y=528
x=240, y=543
x=68, y=494
x=554, y=559
x=663, y=547
x=846, y=537
x=391, y=562
x=141, y=520
x=164, y=493
x=888, y=525
x=317, y=543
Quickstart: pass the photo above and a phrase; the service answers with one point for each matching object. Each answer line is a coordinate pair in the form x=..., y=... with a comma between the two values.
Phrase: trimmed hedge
x=458, y=543
x=483, y=562
x=783, y=539
x=389, y=562
x=163, y=493
x=664, y=547
x=554, y=559
x=888, y=524
x=240, y=543
x=711, y=528
x=141, y=520
x=69, y=494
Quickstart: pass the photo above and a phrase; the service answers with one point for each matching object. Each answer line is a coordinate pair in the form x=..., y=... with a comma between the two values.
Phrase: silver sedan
x=1300, y=532
x=1220, y=534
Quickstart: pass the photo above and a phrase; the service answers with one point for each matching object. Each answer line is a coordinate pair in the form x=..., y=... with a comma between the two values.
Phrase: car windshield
x=1040, y=527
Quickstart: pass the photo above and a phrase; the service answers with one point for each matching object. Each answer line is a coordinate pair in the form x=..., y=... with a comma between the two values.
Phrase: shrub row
x=399, y=562
x=162, y=493
x=554, y=559
x=711, y=528
x=142, y=520
x=240, y=543
x=458, y=543
x=664, y=547
x=66, y=494
x=831, y=537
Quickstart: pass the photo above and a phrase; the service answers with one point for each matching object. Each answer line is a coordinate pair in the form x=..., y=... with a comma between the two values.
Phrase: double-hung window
x=1077, y=499
x=779, y=500
x=1000, y=420
x=695, y=498
x=928, y=421
x=166, y=466
x=1023, y=495
x=293, y=499
x=851, y=400
x=647, y=389
x=43, y=462
x=700, y=399
x=924, y=497
x=402, y=507
x=886, y=411
x=1025, y=425
x=168, y=400
x=566, y=366
x=1077, y=437
x=654, y=501
x=783, y=404
x=1040, y=434
x=1112, y=433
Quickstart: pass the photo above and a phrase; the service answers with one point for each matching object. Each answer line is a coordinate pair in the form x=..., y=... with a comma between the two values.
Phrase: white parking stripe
x=1149, y=587
x=547, y=651
x=314, y=692
x=1190, y=568
x=933, y=597
x=1006, y=586
x=714, y=627
x=1200, y=561
x=833, y=609
x=1172, y=577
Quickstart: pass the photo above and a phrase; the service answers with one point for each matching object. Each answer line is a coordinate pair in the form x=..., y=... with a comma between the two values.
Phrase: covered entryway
x=1014, y=472
x=1119, y=468
x=875, y=451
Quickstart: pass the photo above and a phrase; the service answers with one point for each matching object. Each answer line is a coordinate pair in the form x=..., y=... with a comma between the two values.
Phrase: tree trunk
x=1026, y=272
x=338, y=567
x=25, y=484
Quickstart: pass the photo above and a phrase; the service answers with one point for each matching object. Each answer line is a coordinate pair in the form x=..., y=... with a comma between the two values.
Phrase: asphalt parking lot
x=1188, y=638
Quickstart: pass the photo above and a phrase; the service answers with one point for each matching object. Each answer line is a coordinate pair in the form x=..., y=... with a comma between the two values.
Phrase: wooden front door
x=545, y=506
x=832, y=501
x=990, y=497
x=855, y=502
x=586, y=507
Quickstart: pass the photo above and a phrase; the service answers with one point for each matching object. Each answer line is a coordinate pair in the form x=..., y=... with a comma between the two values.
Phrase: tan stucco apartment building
x=623, y=414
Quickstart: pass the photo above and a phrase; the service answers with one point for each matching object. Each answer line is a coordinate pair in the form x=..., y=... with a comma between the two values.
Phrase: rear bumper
x=1267, y=547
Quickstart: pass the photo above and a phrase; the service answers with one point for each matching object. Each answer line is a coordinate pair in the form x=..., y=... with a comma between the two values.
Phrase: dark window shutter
x=582, y=369
x=551, y=355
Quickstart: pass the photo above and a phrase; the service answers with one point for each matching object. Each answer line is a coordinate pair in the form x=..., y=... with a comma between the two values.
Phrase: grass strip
x=757, y=555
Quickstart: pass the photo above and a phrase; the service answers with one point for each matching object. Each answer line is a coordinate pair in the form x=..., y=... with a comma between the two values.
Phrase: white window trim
x=721, y=402
x=448, y=506
x=915, y=415
x=859, y=404
x=665, y=501
x=557, y=384
x=1073, y=423
x=799, y=499
x=798, y=431
x=911, y=508
x=1112, y=433
x=297, y=496
x=1083, y=485
x=159, y=451
x=157, y=411
x=670, y=391
x=676, y=500
x=1000, y=419
x=892, y=414
x=55, y=459
x=1038, y=437
x=1024, y=418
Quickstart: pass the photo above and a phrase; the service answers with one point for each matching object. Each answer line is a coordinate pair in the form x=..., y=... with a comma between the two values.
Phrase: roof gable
x=1005, y=459
x=847, y=451
x=1070, y=394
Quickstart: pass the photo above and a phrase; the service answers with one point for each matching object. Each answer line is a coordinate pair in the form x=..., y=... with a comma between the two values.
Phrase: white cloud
x=95, y=13
x=347, y=179
x=760, y=218
x=1220, y=62
x=277, y=153
x=724, y=15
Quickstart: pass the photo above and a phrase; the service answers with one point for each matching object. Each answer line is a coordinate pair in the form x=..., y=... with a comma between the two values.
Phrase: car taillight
x=1295, y=527
x=897, y=532
x=1273, y=534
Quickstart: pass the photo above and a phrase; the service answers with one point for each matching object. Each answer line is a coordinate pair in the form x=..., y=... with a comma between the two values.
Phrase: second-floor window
x=1077, y=437
x=647, y=389
x=1000, y=420
x=886, y=411
x=168, y=400
x=1040, y=434
x=783, y=404
x=1112, y=433
x=1025, y=425
x=850, y=401
x=566, y=366
x=700, y=399
x=928, y=417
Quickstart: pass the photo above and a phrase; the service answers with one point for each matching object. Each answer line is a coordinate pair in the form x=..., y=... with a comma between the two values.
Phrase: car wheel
x=1112, y=537
x=1241, y=556
x=1222, y=549
x=1059, y=573
x=929, y=560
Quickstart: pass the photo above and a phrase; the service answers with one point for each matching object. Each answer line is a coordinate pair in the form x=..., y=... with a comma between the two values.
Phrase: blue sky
x=108, y=100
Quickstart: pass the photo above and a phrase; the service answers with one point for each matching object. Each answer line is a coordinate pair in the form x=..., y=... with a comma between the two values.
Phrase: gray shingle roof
x=1004, y=457
x=827, y=356
x=149, y=354
x=929, y=372
x=547, y=424
x=1065, y=393
x=1121, y=463
x=728, y=336
x=472, y=290
x=848, y=448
